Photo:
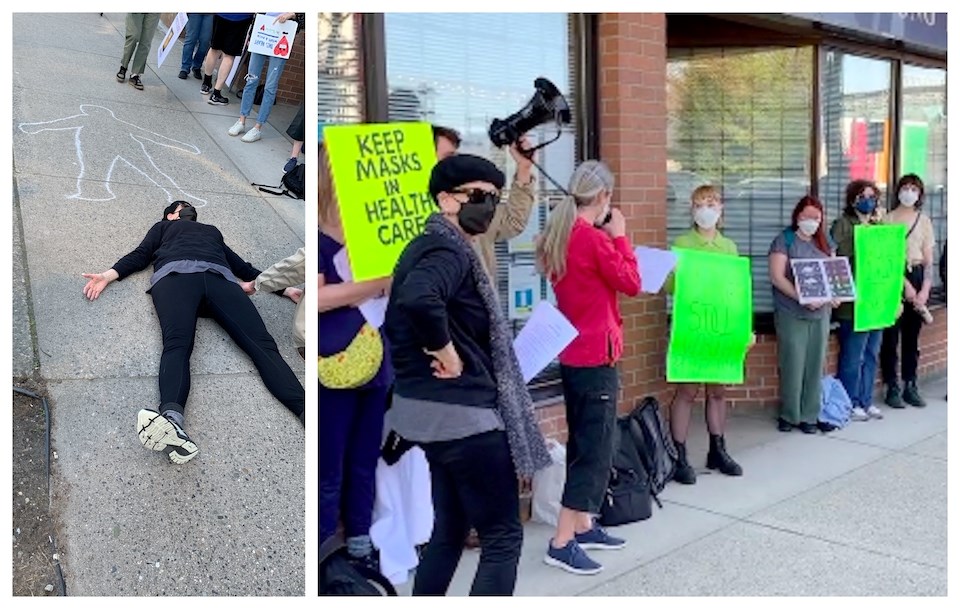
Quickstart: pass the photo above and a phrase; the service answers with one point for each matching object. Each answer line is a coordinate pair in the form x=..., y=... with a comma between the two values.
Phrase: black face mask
x=477, y=213
x=188, y=213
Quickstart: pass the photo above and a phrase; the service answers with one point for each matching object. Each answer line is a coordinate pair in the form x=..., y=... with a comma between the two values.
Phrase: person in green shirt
x=707, y=209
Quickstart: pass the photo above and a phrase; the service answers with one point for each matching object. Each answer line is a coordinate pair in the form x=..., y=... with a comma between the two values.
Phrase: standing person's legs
x=190, y=41
x=134, y=29
x=478, y=485
x=681, y=410
x=274, y=72
x=254, y=67
x=363, y=449
x=232, y=309
x=868, y=370
x=910, y=326
x=791, y=349
x=888, y=363
x=818, y=334
x=850, y=360
x=149, y=28
x=336, y=409
x=203, y=41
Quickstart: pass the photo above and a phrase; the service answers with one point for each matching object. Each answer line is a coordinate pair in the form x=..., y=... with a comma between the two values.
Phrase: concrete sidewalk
x=95, y=162
x=858, y=512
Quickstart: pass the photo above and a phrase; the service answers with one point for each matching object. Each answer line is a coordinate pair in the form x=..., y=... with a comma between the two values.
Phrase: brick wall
x=633, y=113
x=291, y=87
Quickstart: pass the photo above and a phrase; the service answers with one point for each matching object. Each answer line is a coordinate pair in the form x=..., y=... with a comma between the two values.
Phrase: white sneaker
x=251, y=136
x=874, y=413
x=237, y=128
x=859, y=414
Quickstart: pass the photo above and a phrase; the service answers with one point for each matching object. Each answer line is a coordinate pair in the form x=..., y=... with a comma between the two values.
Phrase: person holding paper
x=275, y=65
x=510, y=219
x=354, y=385
x=706, y=209
x=803, y=331
x=907, y=210
x=857, y=362
x=459, y=392
x=589, y=262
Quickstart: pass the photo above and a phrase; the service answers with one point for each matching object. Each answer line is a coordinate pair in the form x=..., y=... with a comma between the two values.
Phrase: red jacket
x=598, y=267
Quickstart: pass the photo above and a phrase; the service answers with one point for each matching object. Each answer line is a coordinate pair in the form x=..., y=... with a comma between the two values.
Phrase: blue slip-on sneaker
x=598, y=539
x=571, y=558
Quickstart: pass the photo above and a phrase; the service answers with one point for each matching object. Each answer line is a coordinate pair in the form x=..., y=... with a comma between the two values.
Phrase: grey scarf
x=527, y=446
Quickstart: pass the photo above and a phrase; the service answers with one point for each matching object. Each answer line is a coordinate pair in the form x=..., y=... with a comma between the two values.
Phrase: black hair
x=172, y=208
x=447, y=133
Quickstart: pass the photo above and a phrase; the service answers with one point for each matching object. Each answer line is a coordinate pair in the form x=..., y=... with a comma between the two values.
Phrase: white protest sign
x=173, y=33
x=541, y=340
x=271, y=38
x=655, y=266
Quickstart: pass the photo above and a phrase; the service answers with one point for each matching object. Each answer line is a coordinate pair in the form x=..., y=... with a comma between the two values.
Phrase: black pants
x=180, y=299
x=474, y=483
x=905, y=331
x=591, y=403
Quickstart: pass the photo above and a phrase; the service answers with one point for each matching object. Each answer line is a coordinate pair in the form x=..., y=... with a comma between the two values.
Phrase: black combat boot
x=893, y=399
x=684, y=474
x=911, y=395
x=718, y=458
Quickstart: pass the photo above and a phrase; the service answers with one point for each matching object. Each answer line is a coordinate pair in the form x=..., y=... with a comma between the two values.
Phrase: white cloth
x=402, y=513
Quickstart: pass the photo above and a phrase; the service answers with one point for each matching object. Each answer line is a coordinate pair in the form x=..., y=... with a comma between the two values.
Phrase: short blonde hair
x=703, y=191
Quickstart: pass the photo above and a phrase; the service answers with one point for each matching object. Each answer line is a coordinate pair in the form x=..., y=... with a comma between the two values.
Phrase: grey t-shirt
x=799, y=250
x=425, y=421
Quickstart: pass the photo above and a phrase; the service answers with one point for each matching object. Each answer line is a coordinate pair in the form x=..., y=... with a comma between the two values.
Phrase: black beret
x=460, y=169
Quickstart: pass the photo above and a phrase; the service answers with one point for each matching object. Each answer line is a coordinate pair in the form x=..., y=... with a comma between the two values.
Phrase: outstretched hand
x=294, y=294
x=248, y=288
x=96, y=284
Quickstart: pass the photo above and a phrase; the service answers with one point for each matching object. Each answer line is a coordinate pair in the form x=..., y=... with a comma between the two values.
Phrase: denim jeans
x=274, y=70
x=857, y=365
x=473, y=482
x=197, y=42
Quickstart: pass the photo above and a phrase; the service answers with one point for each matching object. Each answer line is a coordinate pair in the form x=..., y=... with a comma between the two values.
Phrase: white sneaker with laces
x=874, y=413
x=859, y=414
x=251, y=136
x=237, y=128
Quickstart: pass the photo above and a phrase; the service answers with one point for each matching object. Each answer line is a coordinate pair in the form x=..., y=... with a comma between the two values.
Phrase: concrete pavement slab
x=117, y=335
x=935, y=447
x=93, y=35
x=668, y=529
x=744, y=432
x=23, y=360
x=896, y=506
x=773, y=472
x=751, y=560
x=230, y=522
x=901, y=428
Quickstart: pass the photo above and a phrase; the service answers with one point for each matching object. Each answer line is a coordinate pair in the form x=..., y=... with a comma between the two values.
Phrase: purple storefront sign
x=922, y=29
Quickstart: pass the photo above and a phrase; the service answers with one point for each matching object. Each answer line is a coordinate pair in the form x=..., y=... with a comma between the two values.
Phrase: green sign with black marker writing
x=880, y=260
x=712, y=320
x=381, y=173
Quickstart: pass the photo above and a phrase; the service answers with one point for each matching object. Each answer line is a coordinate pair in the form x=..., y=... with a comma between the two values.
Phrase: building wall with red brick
x=633, y=118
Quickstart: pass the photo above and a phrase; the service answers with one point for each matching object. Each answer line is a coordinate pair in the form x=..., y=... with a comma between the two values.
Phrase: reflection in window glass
x=464, y=70
x=338, y=68
x=740, y=119
x=923, y=143
x=855, y=114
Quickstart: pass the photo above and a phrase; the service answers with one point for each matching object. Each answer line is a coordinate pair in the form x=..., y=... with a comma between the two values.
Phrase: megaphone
x=547, y=104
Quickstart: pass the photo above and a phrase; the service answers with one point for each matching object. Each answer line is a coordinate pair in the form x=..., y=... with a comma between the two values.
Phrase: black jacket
x=433, y=300
x=171, y=240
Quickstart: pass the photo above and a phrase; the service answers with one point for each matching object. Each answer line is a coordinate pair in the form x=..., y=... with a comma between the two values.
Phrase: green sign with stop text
x=712, y=318
x=880, y=259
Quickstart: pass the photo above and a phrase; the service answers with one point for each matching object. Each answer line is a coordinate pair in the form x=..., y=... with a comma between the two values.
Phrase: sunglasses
x=477, y=195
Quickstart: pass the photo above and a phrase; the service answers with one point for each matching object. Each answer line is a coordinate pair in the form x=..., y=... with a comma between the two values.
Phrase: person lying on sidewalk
x=195, y=274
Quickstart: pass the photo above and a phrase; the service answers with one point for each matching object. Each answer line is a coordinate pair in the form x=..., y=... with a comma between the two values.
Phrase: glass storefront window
x=338, y=60
x=923, y=143
x=740, y=119
x=855, y=125
x=463, y=70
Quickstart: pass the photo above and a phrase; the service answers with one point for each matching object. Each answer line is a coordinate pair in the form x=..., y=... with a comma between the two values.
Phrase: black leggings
x=180, y=299
x=906, y=333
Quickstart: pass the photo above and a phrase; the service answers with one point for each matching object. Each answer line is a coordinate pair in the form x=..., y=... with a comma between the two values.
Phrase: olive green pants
x=140, y=30
x=801, y=350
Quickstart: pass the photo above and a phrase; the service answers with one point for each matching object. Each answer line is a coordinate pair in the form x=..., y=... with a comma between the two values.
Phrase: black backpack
x=628, y=497
x=340, y=577
x=654, y=443
x=291, y=184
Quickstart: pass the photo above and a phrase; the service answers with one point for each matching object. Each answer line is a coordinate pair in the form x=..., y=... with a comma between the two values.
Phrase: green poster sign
x=880, y=259
x=712, y=318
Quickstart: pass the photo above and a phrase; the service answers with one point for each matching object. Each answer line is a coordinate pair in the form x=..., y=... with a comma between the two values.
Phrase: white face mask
x=808, y=227
x=908, y=197
x=706, y=217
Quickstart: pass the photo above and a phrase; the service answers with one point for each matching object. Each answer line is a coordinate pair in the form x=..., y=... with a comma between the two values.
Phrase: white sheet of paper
x=655, y=266
x=541, y=340
x=374, y=310
x=173, y=33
